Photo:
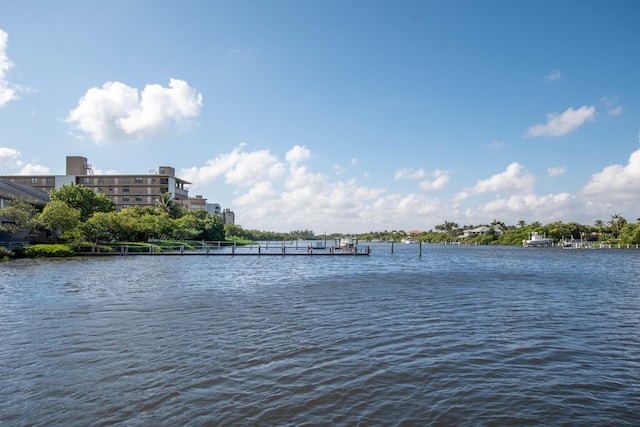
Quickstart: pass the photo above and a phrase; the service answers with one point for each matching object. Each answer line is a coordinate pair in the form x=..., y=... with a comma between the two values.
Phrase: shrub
x=48, y=251
x=5, y=253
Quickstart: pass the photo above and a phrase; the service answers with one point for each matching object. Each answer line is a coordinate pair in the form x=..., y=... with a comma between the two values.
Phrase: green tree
x=100, y=227
x=232, y=230
x=21, y=212
x=616, y=224
x=59, y=218
x=449, y=228
x=156, y=225
x=84, y=199
x=167, y=204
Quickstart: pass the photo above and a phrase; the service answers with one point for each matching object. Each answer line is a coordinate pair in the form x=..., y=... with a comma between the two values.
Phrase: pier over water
x=204, y=248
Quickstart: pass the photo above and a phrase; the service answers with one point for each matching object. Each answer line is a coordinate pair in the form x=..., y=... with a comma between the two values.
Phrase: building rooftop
x=11, y=190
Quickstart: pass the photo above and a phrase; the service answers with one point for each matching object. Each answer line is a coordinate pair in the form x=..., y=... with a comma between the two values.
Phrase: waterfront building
x=228, y=216
x=126, y=190
x=214, y=209
x=10, y=191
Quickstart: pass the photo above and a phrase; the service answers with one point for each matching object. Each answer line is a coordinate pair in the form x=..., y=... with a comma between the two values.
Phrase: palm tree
x=616, y=223
x=167, y=204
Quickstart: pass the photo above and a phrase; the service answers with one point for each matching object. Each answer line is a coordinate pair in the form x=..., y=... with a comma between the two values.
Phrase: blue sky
x=337, y=116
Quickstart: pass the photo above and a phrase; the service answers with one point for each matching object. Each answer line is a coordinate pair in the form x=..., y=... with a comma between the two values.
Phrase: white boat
x=537, y=240
x=348, y=242
x=566, y=244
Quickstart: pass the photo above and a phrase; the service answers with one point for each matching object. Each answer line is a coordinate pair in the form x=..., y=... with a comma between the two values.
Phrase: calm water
x=459, y=336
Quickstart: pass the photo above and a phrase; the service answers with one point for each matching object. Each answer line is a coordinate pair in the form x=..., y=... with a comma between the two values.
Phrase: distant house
x=412, y=234
x=479, y=231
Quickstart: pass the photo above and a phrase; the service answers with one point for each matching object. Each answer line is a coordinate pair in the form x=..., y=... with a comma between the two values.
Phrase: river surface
x=457, y=336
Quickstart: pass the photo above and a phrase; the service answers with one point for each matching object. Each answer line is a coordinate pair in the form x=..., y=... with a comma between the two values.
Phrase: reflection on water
x=461, y=335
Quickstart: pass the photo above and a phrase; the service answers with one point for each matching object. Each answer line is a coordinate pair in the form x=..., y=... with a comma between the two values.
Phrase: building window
x=138, y=180
x=85, y=180
x=138, y=198
x=125, y=189
x=125, y=198
x=100, y=190
x=110, y=188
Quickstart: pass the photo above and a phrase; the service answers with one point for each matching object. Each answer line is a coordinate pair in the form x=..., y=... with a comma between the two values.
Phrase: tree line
x=76, y=215
x=615, y=231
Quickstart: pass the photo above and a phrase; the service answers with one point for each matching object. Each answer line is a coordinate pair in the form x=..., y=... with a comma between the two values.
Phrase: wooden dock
x=248, y=250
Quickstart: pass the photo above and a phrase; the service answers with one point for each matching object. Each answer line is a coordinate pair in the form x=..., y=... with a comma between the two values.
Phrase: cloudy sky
x=337, y=116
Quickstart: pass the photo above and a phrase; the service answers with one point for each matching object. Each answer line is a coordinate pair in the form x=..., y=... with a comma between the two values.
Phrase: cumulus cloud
x=238, y=167
x=7, y=90
x=562, y=124
x=10, y=161
x=440, y=178
x=8, y=156
x=297, y=154
x=616, y=182
x=556, y=171
x=283, y=194
x=33, y=169
x=550, y=207
x=514, y=179
x=116, y=112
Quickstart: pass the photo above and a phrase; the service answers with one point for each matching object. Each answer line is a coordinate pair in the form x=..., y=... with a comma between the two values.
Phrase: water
x=459, y=336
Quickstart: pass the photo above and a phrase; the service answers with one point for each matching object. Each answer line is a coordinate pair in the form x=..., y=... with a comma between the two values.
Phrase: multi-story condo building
x=228, y=216
x=124, y=190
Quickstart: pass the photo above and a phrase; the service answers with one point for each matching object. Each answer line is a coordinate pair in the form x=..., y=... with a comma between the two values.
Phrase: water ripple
x=459, y=336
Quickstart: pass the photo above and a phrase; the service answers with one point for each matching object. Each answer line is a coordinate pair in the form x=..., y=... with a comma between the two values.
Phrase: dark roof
x=11, y=190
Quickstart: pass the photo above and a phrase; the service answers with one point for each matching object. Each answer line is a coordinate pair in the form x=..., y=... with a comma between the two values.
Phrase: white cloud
x=297, y=154
x=10, y=160
x=8, y=156
x=616, y=183
x=552, y=76
x=408, y=173
x=7, y=90
x=562, y=124
x=513, y=180
x=556, y=171
x=115, y=112
x=437, y=184
x=31, y=169
x=547, y=208
x=276, y=194
x=237, y=167
x=440, y=178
